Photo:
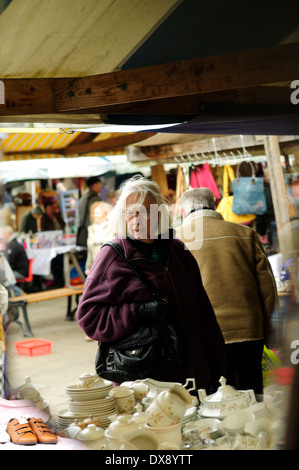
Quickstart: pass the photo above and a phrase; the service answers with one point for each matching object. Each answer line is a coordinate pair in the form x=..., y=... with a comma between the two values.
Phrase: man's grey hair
x=197, y=198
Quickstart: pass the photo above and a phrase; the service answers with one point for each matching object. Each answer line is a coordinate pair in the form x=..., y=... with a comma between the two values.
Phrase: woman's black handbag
x=152, y=351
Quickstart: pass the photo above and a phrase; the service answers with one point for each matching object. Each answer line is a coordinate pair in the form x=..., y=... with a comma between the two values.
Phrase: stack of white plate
x=100, y=409
x=101, y=390
x=85, y=402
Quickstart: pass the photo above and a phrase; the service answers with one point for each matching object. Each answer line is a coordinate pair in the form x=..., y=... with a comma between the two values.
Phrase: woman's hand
x=153, y=311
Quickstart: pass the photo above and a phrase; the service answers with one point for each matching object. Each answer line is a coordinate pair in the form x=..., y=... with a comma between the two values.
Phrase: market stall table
x=43, y=256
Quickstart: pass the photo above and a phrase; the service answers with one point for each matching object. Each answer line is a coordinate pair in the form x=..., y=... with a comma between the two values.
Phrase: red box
x=33, y=347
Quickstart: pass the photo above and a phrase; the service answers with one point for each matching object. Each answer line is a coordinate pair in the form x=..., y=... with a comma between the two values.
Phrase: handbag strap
x=228, y=175
x=252, y=171
x=150, y=286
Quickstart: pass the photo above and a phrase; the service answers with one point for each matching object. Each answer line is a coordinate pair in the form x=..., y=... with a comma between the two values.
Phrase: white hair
x=197, y=198
x=142, y=187
x=105, y=209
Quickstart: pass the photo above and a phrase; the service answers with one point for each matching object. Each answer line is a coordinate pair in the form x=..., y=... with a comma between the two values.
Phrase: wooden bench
x=21, y=301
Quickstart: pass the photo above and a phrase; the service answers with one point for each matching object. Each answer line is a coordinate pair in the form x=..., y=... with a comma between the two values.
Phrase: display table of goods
x=26, y=423
x=152, y=415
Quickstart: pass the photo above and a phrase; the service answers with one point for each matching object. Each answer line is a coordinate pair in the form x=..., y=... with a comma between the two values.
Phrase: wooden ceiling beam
x=112, y=144
x=209, y=74
x=220, y=73
x=222, y=144
x=28, y=96
x=262, y=96
x=84, y=137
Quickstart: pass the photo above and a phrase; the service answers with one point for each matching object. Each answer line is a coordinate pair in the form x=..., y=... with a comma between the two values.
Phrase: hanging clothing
x=201, y=177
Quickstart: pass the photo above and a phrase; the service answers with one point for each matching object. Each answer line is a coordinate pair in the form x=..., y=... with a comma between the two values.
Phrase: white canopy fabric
x=49, y=168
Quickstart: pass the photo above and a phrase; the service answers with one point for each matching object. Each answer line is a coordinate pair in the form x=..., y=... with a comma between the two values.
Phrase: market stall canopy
x=72, y=38
x=51, y=142
x=50, y=168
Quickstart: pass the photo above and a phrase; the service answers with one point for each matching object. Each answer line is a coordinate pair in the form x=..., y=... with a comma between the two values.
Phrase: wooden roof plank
x=219, y=73
x=192, y=77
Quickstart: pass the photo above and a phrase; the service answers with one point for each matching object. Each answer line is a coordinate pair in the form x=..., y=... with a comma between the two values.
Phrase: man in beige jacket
x=238, y=280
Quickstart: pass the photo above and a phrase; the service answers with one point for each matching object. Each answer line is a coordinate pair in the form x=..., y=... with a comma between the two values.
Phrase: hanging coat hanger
x=180, y=159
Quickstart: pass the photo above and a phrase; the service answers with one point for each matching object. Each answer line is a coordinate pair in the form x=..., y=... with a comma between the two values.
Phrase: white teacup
x=87, y=381
x=156, y=416
x=174, y=401
x=140, y=389
x=124, y=399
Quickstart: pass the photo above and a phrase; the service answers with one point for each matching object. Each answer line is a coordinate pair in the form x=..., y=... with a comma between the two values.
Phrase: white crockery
x=123, y=432
x=156, y=416
x=87, y=381
x=96, y=388
x=175, y=401
x=169, y=446
x=124, y=400
x=73, y=431
x=91, y=433
x=167, y=433
x=248, y=442
x=204, y=425
x=169, y=406
x=224, y=401
x=142, y=440
x=235, y=423
x=141, y=389
x=156, y=386
x=262, y=425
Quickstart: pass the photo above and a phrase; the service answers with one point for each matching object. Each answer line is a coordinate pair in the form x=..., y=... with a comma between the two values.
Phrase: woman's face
x=99, y=215
x=138, y=217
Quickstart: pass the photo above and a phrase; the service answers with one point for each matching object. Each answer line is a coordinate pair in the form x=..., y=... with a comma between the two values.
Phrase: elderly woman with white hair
x=117, y=304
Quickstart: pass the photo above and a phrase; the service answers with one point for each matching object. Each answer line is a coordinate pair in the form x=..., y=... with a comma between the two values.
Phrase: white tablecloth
x=43, y=257
x=22, y=408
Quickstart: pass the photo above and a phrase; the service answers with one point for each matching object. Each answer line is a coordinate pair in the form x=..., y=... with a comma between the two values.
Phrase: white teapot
x=224, y=401
x=91, y=433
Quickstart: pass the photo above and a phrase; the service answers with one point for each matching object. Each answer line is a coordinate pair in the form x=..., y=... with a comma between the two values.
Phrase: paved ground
x=70, y=357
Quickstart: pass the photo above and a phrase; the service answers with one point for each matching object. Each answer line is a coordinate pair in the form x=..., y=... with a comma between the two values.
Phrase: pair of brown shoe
x=30, y=432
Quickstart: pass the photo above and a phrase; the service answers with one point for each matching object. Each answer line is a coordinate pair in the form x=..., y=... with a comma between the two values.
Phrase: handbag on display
x=225, y=206
x=201, y=177
x=249, y=195
x=152, y=351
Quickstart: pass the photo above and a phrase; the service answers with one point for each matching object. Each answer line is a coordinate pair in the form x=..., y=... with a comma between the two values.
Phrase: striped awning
x=30, y=142
x=36, y=145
